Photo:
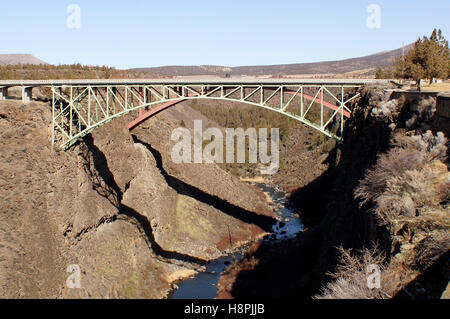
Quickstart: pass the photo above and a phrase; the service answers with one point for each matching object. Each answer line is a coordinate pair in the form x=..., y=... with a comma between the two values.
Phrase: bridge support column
x=3, y=93
x=27, y=94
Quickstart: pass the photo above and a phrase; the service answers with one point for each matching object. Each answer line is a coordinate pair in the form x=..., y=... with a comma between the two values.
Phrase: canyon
x=137, y=223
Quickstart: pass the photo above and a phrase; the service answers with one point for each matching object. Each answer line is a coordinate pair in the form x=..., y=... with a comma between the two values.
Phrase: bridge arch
x=79, y=109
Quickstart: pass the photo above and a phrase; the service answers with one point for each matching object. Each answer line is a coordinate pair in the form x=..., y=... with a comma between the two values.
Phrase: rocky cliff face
x=115, y=206
x=354, y=221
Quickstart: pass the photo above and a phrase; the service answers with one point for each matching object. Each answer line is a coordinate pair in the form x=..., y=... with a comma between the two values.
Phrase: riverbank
x=204, y=285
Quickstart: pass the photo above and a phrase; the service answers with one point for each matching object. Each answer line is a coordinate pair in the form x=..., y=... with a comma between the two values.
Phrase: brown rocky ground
x=114, y=205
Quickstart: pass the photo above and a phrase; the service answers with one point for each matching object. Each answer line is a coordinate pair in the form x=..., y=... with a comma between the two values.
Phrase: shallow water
x=204, y=284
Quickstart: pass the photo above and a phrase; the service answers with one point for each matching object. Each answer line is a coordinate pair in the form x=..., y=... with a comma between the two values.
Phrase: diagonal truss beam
x=77, y=110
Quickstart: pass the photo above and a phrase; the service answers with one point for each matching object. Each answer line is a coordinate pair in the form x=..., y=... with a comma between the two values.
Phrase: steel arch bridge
x=80, y=106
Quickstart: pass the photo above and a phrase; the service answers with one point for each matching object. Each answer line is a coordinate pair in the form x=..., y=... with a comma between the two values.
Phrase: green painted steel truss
x=79, y=109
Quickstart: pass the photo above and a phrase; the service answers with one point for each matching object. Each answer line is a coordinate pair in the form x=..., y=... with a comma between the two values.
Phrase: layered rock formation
x=111, y=206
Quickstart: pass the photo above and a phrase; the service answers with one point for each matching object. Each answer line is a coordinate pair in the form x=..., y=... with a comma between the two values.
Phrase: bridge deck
x=181, y=81
x=79, y=106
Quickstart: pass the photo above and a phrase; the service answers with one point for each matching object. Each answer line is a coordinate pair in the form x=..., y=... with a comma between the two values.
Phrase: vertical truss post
x=144, y=94
x=71, y=111
x=53, y=116
x=107, y=101
x=141, y=93
x=342, y=111
x=301, y=102
x=61, y=108
x=89, y=106
x=77, y=91
x=96, y=104
x=321, y=107
x=131, y=97
x=262, y=94
x=114, y=97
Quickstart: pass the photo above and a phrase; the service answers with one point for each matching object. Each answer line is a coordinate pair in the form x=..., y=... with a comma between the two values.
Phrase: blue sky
x=139, y=33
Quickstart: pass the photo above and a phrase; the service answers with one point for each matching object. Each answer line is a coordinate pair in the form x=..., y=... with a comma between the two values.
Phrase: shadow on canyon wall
x=299, y=268
x=112, y=192
x=264, y=222
x=105, y=184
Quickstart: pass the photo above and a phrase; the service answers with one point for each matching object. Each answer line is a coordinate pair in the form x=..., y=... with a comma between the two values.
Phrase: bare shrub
x=386, y=110
x=402, y=168
x=435, y=147
x=357, y=262
x=372, y=95
x=390, y=207
x=393, y=163
x=424, y=186
x=425, y=108
x=431, y=248
x=351, y=277
x=415, y=190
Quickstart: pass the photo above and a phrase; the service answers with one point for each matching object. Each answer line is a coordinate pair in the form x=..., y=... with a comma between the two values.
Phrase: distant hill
x=19, y=59
x=369, y=62
x=188, y=70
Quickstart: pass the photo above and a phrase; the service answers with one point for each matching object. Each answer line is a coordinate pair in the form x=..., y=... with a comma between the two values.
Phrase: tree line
x=65, y=71
x=428, y=59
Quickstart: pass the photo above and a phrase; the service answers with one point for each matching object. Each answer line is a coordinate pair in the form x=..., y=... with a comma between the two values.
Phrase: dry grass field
x=437, y=87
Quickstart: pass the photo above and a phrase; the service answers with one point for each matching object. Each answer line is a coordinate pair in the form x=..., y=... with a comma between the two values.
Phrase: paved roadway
x=181, y=81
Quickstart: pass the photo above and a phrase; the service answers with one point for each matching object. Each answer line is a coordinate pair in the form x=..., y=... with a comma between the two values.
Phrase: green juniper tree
x=428, y=59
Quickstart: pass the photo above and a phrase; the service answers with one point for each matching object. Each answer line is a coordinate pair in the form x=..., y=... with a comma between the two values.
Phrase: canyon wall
x=343, y=223
x=110, y=206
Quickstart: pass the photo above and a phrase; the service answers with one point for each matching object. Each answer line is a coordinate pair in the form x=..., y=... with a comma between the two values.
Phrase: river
x=204, y=284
